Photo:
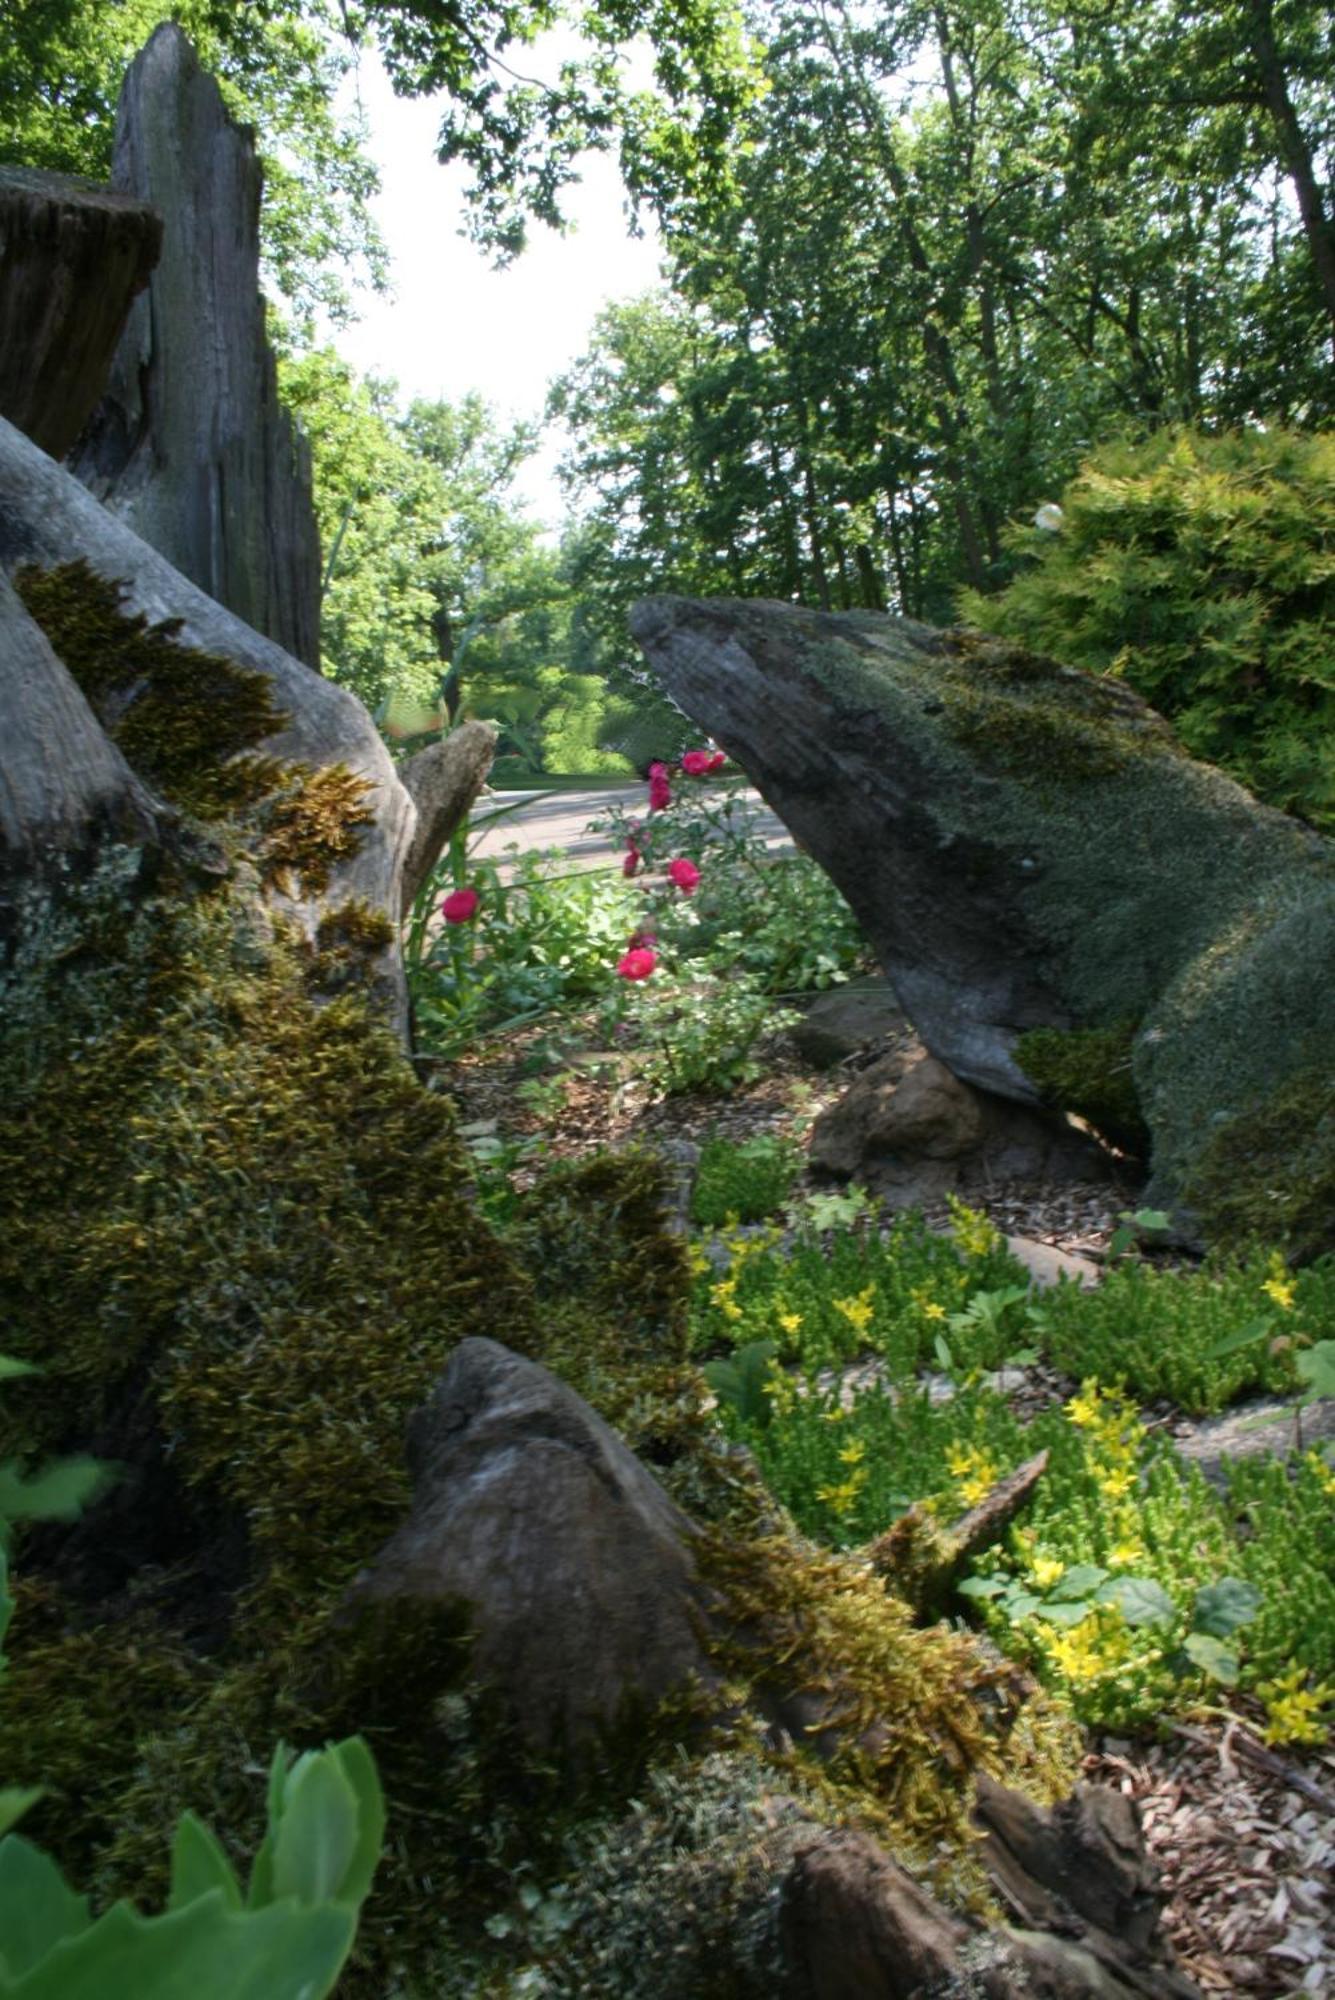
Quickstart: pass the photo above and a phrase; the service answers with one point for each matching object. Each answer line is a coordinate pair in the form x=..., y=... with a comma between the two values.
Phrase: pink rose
x=686, y=876
x=718, y=760
x=637, y=964
x=632, y=860
x=695, y=763
x=460, y=906
x=660, y=794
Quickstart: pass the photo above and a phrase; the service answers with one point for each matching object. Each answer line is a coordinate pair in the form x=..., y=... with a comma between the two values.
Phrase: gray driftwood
x=190, y=446
x=73, y=256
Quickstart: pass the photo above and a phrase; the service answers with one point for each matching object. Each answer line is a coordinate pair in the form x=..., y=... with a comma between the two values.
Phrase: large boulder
x=1029, y=848
x=572, y=1564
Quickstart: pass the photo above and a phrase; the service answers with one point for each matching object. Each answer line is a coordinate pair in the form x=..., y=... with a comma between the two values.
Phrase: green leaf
x=1140, y=1600
x=1064, y=1614
x=1079, y=1581
x=1232, y=1342
x=58, y=1492
x=317, y=1836
x=199, y=1864
x=945, y=1360
x=1316, y=1367
x=1023, y=1604
x=15, y=1801
x=200, y=1952
x=10, y=1368
x=1224, y=1606
x=980, y=1586
x=1212, y=1656
x=37, y=1906
x=359, y=1770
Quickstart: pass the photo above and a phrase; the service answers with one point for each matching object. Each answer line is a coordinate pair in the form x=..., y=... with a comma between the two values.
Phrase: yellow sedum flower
x=1123, y=1553
x=1293, y=1711
x=842, y=1499
x=860, y=1311
x=853, y=1453
x=1046, y=1570
x=1279, y=1286
x=1116, y=1482
x=974, y=1471
x=1093, y=1650
x=790, y=1322
x=722, y=1295
x=1085, y=1409
x=929, y=1307
x=1324, y=1471
x=972, y=1230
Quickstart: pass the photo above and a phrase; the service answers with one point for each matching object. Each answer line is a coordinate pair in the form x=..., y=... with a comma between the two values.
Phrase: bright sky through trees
x=455, y=322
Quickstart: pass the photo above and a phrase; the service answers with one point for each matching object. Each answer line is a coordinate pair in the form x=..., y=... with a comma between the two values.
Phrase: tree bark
x=73, y=256
x=61, y=780
x=48, y=519
x=190, y=446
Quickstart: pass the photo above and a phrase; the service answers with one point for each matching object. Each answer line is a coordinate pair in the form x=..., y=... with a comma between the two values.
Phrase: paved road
x=541, y=820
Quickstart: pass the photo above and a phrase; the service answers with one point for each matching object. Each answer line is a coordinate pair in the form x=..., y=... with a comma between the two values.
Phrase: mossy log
x=190, y=445
x=73, y=256
x=1027, y=846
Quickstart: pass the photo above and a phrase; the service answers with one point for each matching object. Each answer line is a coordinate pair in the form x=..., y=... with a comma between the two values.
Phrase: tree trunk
x=72, y=258
x=190, y=446
x=49, y=520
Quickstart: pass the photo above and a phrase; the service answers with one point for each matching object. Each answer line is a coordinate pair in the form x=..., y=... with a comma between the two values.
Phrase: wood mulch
x=1244, y=1837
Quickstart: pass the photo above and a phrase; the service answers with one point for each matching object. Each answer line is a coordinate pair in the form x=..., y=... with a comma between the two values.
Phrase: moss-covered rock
x=1028, y=848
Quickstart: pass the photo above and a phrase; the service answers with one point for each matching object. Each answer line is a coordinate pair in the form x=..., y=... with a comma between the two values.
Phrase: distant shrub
x=1202, y=571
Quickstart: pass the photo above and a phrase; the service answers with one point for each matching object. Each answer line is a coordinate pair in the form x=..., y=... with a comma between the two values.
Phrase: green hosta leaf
x=1224, y=1606
x=15, y=1801
x=741, y=1380
x=37, y=1907
x=1022, y=1605
x=1212, y=1656
x=199, y=1864
x=1140, y=1600
x=1079, y=1581
x=1316, y=1367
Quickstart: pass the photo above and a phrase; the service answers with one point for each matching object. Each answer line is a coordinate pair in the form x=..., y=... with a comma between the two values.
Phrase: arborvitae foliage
x=1201, y=570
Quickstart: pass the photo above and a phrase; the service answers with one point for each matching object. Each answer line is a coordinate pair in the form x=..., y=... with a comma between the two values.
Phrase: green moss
x=187, y=721
x=1088, y=1071
x=1022, y=715
x=310, y=825
x=1267, y=1175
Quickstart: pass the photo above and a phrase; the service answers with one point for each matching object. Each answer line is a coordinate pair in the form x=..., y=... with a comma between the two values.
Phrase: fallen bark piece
x=923, y=1561
x=73, y=257
x=443, y=781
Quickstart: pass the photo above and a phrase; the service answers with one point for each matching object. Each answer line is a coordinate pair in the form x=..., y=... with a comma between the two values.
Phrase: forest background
x=921, y=261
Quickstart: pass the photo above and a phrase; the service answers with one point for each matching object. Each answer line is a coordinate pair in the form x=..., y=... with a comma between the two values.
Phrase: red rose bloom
x=460, y=907
x=695, y=763
x=637, y=964
x=686, y=876
x=632, y=860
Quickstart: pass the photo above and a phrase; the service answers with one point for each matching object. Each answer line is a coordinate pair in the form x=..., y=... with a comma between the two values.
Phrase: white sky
x=454, y=322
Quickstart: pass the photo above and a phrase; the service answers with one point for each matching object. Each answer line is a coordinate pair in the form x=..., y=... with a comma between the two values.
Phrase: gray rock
x=1251, y=1429
x=912, y=1131
x=574, y=1565
x=1028, y=846
x=1047, y=1265
x=839, y=1023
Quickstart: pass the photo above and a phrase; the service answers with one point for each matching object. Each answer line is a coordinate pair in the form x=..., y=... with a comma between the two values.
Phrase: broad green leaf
x=1078, y=1581
x=359, y=1768
x=1316, y=1367
x=1064, y=1614
x=945, y=1360
x=1222, y=1607
x=200, y=1952
x=1022, y=1605
x=199, y=1864
x=37, y=1906
x=15, y=1801
x=1213, y=1657
x=1232, y=1342
x=1140, y=1600
x=57, y=1493
x=11, y=1368
x=317, y=1837
x=981, y=1586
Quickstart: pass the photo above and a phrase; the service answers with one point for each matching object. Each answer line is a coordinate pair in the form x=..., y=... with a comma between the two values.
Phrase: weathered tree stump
x=73, y=256
x=190, y=445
